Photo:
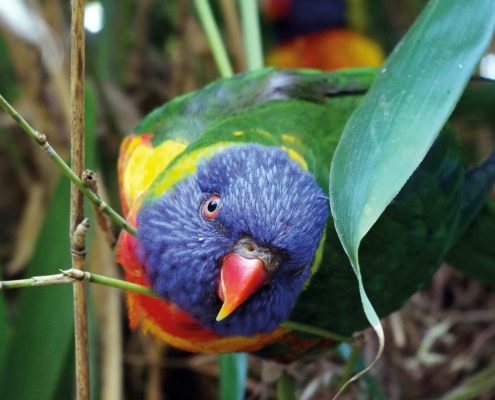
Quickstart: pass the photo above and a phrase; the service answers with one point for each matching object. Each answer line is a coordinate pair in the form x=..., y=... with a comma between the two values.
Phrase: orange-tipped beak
x=240, y=277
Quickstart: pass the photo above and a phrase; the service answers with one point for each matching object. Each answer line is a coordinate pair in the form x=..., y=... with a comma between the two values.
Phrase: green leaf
x=233, y=375
x=389, y=134
x=44, y=324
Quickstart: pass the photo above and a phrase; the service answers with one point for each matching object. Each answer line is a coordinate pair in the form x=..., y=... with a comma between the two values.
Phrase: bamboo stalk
x=252, y=34
x=77, y=227
x=286, y=387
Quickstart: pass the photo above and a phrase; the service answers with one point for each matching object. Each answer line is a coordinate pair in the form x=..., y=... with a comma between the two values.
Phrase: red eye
x=211, y=207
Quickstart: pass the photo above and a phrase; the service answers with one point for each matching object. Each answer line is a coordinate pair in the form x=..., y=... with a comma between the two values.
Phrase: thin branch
x=315, y=331
x=73, y=276
x=212, y=33
x=78, y=227
x=92, y=197
x=90, y=179
x=286, y=389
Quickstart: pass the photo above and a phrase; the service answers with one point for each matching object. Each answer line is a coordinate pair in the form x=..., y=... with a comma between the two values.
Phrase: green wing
x=188, y=116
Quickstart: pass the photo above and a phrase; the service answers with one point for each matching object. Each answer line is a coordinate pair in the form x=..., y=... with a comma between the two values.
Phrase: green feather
x=188, y=116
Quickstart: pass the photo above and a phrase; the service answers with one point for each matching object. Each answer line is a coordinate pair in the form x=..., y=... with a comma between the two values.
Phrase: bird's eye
x=211, y=207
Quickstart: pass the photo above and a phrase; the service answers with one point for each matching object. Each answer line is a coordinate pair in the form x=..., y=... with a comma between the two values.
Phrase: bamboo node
x=102, y=206
x=42, y=140
x=77, y=275
x=79, y=238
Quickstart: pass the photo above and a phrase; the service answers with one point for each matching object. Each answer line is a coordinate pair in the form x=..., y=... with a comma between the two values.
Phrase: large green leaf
x=43, y=331
x=390, y=133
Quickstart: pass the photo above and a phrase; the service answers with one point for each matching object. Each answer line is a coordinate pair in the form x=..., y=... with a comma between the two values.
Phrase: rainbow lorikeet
x=315, y=34
x=228, y=189
x=349, y=50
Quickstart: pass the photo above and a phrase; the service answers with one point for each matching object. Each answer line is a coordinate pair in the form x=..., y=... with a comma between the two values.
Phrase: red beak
x=239, y=278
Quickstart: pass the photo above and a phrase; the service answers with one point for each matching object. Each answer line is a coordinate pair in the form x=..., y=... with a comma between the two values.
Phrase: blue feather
x=264, y=195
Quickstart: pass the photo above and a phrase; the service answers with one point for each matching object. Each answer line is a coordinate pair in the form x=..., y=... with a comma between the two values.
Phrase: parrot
x=228, y=190
x=292, y=18
x=307, y=30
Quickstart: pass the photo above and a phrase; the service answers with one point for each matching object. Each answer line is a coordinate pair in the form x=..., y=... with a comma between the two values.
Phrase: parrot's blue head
x=233, y=243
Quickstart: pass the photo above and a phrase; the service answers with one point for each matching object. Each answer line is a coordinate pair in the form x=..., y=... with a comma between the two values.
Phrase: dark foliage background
x=147, y=53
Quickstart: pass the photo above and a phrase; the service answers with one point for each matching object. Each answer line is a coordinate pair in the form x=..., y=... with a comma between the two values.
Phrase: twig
x=72, y=276
x=41, y=140
x=213, y=35
x=45, y=280
x=90, y=179
x=286, y=387
x=78, y=227
x=315, y=331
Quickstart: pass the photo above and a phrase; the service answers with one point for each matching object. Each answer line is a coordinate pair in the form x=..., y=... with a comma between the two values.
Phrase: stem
x=286, y=387
x=252, y=33
x=315, y=331
x=212, y=33
x=90, y=179
x=78, y=227
x=120, y=284
x=41, y=140
x=72, y=276
x=350, y=364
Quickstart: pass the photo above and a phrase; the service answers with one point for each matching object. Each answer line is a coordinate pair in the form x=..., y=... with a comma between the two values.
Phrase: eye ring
x=211, y=207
